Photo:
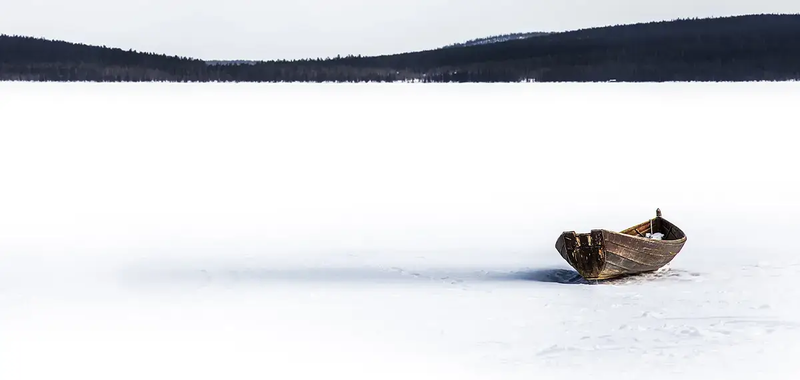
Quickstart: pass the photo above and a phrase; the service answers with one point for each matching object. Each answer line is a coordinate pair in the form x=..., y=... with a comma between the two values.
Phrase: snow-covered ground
x=155, y=231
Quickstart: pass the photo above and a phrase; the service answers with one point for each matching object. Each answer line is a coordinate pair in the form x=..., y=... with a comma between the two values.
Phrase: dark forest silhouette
x=742, y=48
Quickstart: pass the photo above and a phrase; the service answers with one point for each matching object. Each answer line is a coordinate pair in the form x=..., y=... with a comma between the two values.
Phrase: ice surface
x=157, y=231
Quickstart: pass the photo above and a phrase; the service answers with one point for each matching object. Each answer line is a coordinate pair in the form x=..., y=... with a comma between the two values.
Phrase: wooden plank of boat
x=603, y=254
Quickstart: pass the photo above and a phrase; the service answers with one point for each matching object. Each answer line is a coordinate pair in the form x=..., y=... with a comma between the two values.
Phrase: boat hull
x=603, y=254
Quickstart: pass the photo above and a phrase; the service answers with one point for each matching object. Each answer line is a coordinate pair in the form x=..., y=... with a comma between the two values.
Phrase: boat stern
x=584, y=252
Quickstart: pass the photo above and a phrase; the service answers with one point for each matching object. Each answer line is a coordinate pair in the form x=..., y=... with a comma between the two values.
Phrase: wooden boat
x=603, y=254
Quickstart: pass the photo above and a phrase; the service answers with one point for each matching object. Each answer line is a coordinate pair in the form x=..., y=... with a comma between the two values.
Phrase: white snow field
x=397, y=231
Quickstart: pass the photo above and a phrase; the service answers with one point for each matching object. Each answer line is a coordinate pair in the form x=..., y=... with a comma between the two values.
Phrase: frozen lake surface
x=166, y=231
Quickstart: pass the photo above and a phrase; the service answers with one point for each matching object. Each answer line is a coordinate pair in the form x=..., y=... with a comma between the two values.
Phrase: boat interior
x=655, y=225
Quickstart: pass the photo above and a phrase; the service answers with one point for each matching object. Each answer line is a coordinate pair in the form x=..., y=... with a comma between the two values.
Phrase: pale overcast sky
x=278, y=29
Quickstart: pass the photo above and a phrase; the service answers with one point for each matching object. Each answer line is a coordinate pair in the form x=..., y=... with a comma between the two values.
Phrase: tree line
x=755, y=47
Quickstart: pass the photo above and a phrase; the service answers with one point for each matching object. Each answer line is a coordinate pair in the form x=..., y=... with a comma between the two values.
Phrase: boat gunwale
x=657, y=241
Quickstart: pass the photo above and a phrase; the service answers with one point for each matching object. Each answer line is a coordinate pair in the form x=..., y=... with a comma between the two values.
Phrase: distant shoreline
x=725, y=49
